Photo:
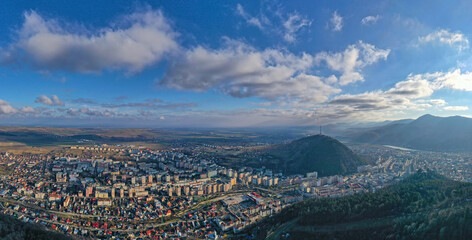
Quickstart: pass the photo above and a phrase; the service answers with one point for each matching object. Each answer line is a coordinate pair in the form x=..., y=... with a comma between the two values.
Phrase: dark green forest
x=319, y=153
x=425, y=205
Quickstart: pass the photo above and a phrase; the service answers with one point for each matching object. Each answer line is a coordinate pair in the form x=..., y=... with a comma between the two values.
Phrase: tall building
x=88, y=191
x=143, y=180
x=233, y=181
x=131, y=192
x=227, y=187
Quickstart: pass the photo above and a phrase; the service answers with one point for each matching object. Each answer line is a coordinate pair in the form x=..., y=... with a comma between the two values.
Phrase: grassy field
x=18, y=148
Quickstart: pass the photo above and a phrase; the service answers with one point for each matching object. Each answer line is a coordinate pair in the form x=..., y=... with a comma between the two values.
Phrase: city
x=178, y=193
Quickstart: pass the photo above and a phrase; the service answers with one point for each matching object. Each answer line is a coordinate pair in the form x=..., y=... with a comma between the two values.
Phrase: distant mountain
x=425, y=205
x=428, y=132
x=319, y=153
x=401, y=121
x=340, y=130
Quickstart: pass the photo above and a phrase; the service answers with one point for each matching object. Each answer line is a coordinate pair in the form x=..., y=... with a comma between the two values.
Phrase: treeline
x=447, y=224
x=13, y=229
x=424, y=205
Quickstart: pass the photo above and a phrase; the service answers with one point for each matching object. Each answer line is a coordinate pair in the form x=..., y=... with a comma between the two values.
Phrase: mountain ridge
x=428, y=132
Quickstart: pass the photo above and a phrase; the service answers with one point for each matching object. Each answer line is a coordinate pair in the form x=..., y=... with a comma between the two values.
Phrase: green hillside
x=423, y=206
x=319, y=153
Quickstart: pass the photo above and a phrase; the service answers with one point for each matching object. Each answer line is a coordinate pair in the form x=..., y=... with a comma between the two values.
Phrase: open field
x=18, y=148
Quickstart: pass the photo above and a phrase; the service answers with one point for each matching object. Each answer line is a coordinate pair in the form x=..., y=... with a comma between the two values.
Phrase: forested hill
x=422, y=206
x=319, y=153
x=13, y=229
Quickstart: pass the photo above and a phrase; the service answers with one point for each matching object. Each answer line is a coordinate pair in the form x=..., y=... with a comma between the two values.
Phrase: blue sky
x=232, y=63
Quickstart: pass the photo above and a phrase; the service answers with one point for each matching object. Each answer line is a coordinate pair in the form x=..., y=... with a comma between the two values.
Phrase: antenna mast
x=317, y=119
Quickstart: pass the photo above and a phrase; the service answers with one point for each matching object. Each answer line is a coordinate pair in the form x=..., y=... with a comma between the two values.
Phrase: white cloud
x=87, y=112
x=366, y=101
x=352, y=60
x=410, y=95
x=412, y=88
x=143, y=39
x=6, y=108
x=293, y=24
x=50, y=101
x=376, y=103
x=336, y=22
x=453, y=39
x=27, y=109
x=96, y=113
x=241, y=71
x=438, y=102
x=286, y=25
x=370, y=19
x=453, y=79
x=249, y=19
x=456, y=108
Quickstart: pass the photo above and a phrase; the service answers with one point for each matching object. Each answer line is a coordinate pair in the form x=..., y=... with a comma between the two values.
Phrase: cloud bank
x=240, y=71
x=142, y=39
